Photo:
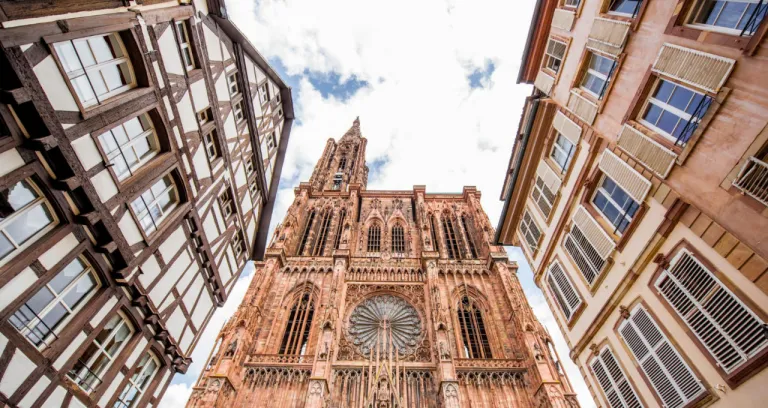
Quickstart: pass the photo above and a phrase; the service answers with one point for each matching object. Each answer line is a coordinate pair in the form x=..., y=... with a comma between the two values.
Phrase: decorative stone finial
x=356, y=122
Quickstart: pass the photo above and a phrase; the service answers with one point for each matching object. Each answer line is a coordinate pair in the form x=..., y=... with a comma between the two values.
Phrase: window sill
x=115, y=101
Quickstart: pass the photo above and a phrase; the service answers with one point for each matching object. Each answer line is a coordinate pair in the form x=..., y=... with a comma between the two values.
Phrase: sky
x=433, y=82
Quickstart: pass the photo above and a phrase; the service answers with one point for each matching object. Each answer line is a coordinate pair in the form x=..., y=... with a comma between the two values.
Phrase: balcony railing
x=753, y=180
x=82, y=375
x=754, y=19
x=271, y=359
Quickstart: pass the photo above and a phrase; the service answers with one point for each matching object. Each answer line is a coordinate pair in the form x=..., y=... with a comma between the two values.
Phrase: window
x=238, y=244
x=264, y=93
x=337, y=179
x=343, y=163
x=562, y=152
x=279, y=112
x=624, y=7
x=451, y=242
x=752, y=179
x=182, y=34
x=209, y=140
x=597, y=75
x=340, y=230
x=563, y=290
x=227, y=203
x=543, y=196
x=739, y=17
x=270, y=141
x=101, y=353
x=25, y=215
x=674, y=111
x=614, y=204
x=553, y=57
x=572, y=3
x=398, y=239
x=472, y=327
x=253, y=187
x=234, y=86
x=130, y=145
x=530, y=231
x=205, y=116
x=618, y=391
x=249, y=165
x=325, y=225
x=237, y=108
x=97, y=67
x=296, y=334
x=55, y=303
x=433, y=230
x=671, y=377
x=305, y=235
x=139, y=381
x=729, y=330
x=584, y=254
x=154, y=205
x=470, y=241
x=374, y=238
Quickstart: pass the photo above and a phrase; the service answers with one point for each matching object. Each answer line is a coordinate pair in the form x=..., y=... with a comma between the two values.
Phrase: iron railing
x=754, y=20
x=693, y=123
x=84, y=377
x=37, y=333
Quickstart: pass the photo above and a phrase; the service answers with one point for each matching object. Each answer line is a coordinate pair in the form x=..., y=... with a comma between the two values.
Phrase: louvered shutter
x=545, y=190
x=632, y=182
x=563, y=19
x=563, y=290
x=566, y=127
x=544, y=82
x=582, y=107
x=613, y=381
x=729, y=330
x=556, y=48
x=671, y=377
x=642, y=148
x=608, y=35
x=700, y=69
x=588, y=245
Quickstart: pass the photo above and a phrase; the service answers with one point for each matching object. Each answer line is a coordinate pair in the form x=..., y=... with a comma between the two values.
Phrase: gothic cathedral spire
x=382, y=299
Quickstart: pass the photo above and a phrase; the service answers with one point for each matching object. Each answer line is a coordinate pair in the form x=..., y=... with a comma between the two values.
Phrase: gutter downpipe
x=516, y=171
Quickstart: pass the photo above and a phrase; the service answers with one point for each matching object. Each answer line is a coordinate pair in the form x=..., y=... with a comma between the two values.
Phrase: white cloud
x=417, y=110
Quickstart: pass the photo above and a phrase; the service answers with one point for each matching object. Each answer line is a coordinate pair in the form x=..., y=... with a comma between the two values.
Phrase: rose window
x=385, y=320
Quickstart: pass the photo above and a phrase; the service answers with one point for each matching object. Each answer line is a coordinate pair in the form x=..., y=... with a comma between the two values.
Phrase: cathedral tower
x=382, y=299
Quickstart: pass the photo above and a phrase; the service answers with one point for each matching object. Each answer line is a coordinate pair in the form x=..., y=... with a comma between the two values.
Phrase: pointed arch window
x=451, y=244
x=374, y=238
x=340, y=230
x=343, y=163
x=434, y=231
x=305, y=235
x=465, y=224
x=296, y=335
x=398, y=239
x=325, y=225
x=473, y=334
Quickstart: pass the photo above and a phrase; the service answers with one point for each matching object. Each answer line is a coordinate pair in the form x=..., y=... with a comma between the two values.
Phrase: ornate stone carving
x=385, y=315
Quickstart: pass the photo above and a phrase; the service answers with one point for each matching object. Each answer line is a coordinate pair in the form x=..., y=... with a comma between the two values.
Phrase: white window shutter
x=613, y=381
x=647, y=151
x=565, y=293
x=671, y=377
x=588, y=245
x=566, y=127
x=625, y=176
x=608, y=35
x=551, y=180
x=700, y=69
x=729, y=330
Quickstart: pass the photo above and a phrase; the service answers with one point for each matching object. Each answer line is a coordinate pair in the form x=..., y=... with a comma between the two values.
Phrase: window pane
x=102, y=50
x=97, y=82
x=133, y=127
x=111, y=325
x=680, y=98
x=29, y=223
x=83, y=89
x=731, y=13
x=113, y=77
x=5, y=246
x=84, y=52
x=67, y=55
x=80, y=291
x=668, y=122
x=38, y=301
x=664, y=91
x=67, y=275
x=116, y=342
x=142, y=148
x=108, y=142
x=697, y=100
x=52, y=319
x=625, y=6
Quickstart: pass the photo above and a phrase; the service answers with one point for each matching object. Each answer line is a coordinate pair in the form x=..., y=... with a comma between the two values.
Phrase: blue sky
x=435, y=91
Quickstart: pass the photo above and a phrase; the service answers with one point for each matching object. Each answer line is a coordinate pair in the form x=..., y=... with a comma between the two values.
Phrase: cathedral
x=382, y=299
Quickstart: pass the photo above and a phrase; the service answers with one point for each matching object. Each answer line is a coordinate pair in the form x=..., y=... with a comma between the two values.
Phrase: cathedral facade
x=382, y=299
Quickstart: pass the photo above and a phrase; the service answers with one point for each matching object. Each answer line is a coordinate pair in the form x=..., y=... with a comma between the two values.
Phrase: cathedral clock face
x=384, y=320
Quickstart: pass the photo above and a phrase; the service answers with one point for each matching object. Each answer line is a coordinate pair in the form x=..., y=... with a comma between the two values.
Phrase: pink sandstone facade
x=382, y=299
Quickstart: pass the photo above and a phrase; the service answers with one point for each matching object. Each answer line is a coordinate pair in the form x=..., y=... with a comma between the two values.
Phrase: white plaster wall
x=187, y=114
x=68, y=352
x=87, y=152
x=168, y=109
x=222, y=88
x=16, y=286
x=111, y=390
x=193, y=292
x=172, y=244
x=240, y=177
x=34, y=393
x=186, y=340
x=102, y=313
x=212, y=43
x=246, y=204
x=129, y=229
x=251, y=230
x=10, y=160
x=260, y=75
x=200, y=161
x=19, y=368
x=55, y=86
x=176, y=323
x=150, y=269
x=204, y=306
x=170, y=53
x=58, y=251
x=163, y=286
x=210, y=228
x=104, y=185
x=199, y=95
x=56, y=398
x=230, y=131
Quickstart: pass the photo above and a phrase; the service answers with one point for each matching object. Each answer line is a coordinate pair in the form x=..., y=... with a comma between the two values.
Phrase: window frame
x=226, y=201
x=576, y=312
x=101, y=351
x=151, y=135
x=464, y=330
x=748, y=368
x=264, y=93
x=569, y=156
x=182, y=26
x=697, y=7
x=58, y=299
x=373, y=238
x=110, y=96
x=683, y=117
x=166, y=213
x=41, y=198
x=238, y=244
x=607, y=79
x=624, y=215
x=211, y=144
x=547, y=57
x=130, y=382
x=233, y=83
x=398, y=239
x=238, y=109
x=597, y=356
x=527, y=246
